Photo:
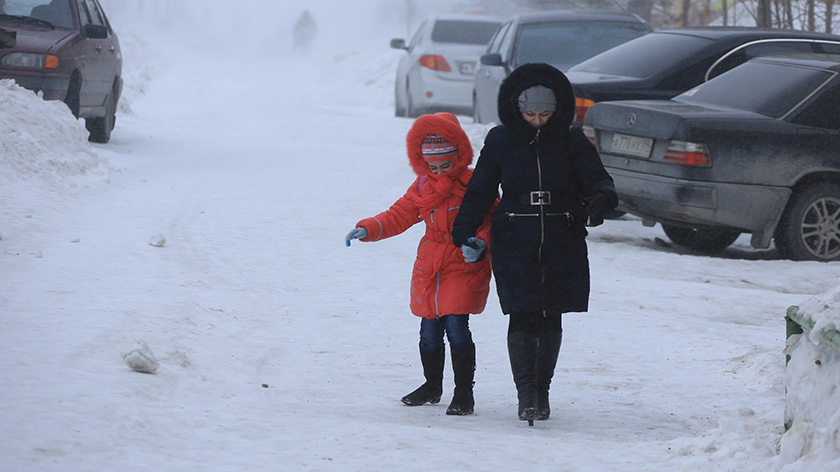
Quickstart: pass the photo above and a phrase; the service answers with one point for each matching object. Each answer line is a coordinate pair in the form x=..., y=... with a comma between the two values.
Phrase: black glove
x=596, y=206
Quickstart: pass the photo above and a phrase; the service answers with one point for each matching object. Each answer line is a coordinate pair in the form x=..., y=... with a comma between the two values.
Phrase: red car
x=66, y=50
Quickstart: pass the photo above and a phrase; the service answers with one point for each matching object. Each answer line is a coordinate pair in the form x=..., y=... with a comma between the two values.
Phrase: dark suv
x=65, y=50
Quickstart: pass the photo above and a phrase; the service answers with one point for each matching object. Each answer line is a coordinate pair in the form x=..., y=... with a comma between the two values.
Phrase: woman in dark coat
x=553, y=184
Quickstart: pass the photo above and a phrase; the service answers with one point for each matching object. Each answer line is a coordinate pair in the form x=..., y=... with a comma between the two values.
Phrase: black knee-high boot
x=432, y=389
x=522, y=350
x=463, y=365
x=549, y=348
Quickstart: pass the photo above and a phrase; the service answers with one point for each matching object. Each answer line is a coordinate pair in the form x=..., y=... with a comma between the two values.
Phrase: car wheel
x=100, y=128
x=399, y=111
x=810, y=226
x=708, y=239
x=73, y=92
x=411, y=112
x=476, y=117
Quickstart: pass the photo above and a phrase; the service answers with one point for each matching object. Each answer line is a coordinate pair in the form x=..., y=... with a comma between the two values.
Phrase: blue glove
x=356, y=233
x=474, y=249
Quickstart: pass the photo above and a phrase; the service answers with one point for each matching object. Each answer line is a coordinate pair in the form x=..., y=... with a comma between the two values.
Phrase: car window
x=829, y=48
x=496, y=42
x=57, y=12
x=418, y=35
x=464, y=32
x=823, y=111
x=84, y=18
x=504, y=48
x=646, y=55
x=736, y=89
x=95, y=15
x=565, y=44
x=745, y=53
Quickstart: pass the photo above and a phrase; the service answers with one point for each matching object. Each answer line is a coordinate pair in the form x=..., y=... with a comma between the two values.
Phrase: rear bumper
x=445, y=93
x=749, y=208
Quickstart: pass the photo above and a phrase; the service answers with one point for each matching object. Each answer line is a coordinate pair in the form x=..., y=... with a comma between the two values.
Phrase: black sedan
x=66, y=50
x=664, y=64
x=737, y=154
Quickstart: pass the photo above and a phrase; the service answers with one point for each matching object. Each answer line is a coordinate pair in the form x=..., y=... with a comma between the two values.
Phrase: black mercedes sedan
x=755, y=150
x=663, y=64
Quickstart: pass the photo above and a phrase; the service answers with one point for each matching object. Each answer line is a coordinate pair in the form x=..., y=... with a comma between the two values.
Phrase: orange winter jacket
x=441, y=282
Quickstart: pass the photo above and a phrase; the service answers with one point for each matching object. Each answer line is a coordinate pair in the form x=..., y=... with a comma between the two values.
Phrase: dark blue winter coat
x=539, y=252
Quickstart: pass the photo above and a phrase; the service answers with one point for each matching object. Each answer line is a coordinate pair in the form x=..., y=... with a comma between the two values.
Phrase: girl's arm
x=402, y=215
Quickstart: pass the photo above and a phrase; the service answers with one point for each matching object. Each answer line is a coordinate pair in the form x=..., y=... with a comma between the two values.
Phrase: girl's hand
x=356, y=233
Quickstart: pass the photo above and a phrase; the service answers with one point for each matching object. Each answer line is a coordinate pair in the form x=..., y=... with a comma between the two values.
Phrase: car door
x=97, y=71
x=489, y=77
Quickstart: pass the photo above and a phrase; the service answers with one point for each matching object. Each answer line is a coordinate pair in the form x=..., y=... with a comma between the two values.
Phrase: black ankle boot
x=549, y=348
x=522, y=350
x=432, y=389
x=463, y=365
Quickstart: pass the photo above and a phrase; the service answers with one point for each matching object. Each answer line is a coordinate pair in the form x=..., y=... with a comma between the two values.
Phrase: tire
x=707, y=239
x=73, y=92
x=809, y=229
x=100, y=128
x=399, y=111
x=476, y=118
x=410, y=111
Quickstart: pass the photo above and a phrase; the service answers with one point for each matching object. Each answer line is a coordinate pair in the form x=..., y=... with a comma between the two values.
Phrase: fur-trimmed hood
x=445, y=125
x=527, y=76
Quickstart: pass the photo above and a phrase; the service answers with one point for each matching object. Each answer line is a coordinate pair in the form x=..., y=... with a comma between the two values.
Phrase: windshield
x=643, y=56
x=464, y=32
x=736, y=89
x=56, y=12
x=568, y=43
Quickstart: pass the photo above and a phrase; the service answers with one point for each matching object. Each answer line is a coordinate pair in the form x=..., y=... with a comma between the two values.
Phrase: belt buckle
x=540, y=197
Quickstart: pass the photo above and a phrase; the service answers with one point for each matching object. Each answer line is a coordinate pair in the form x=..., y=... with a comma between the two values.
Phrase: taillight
x=688, y=154
x=589, y=132
x=434, y=62
x=581, y=107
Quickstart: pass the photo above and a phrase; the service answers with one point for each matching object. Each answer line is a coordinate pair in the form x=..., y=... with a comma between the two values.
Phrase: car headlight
x=31, y=60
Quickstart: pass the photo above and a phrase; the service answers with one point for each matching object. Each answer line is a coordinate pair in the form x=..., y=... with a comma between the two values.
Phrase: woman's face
x=440, y=167
x=537, y=118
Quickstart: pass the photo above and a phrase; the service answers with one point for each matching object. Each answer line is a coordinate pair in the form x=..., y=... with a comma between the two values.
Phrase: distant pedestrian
x=553, y=183
x=305, y=31
x=447, y=284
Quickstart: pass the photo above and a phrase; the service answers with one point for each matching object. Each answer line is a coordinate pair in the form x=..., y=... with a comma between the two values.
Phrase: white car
x=436, y=73
x=562, y=39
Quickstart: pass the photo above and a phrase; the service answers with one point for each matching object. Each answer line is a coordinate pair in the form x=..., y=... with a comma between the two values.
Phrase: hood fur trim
x=445, y=125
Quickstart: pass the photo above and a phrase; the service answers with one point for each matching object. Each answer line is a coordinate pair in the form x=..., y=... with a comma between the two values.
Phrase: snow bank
x=812, y=402
x=42, y=141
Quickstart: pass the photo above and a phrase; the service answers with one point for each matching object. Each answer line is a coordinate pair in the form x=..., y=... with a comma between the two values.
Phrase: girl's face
x=537, y=118
x=440, y=167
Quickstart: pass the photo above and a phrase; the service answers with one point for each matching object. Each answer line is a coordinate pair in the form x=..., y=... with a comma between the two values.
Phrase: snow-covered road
x=253, y=174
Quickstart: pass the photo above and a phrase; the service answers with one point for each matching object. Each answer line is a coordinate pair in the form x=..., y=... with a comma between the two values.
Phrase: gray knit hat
x=537, y=98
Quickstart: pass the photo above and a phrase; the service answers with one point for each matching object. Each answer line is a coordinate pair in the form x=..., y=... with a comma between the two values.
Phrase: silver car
x=436, y=73
x=561, y=39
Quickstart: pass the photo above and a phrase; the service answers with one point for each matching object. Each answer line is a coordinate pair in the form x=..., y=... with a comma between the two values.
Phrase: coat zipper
x=542, y=222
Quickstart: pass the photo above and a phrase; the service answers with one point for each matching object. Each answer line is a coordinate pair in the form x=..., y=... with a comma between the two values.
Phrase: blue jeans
x=456, y=327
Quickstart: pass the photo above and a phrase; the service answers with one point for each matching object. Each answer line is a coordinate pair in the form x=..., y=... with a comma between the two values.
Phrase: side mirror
x=8, y=39
x=96, y=32
x=398, y=43
x=493, y=59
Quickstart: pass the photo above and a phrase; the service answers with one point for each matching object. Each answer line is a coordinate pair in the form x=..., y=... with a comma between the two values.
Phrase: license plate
x=631, y=145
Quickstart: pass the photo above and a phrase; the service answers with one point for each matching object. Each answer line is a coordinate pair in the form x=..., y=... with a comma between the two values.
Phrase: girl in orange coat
x=447, y=284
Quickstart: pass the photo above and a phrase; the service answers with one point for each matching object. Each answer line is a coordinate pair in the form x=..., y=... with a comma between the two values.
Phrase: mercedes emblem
x=631, y=120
